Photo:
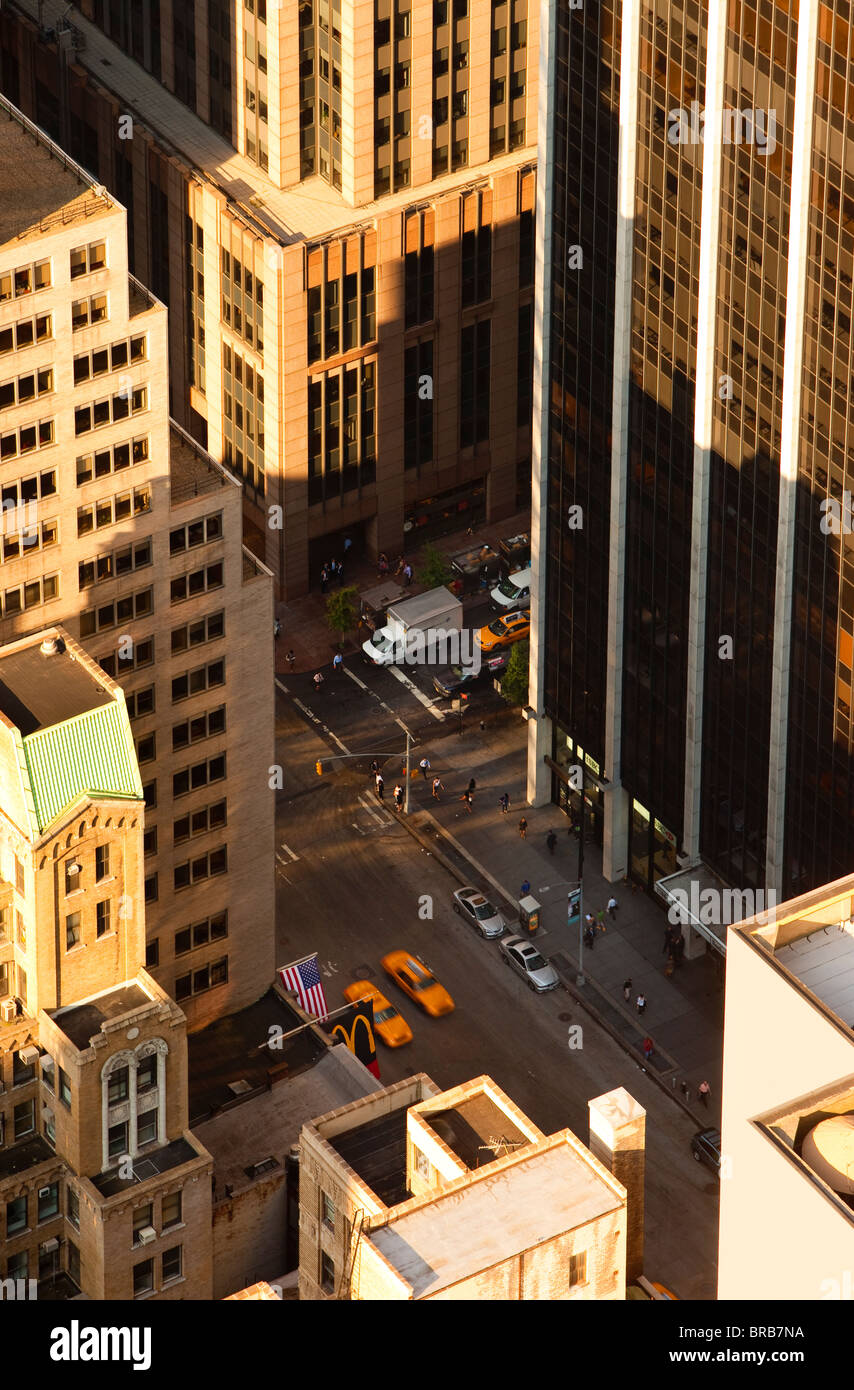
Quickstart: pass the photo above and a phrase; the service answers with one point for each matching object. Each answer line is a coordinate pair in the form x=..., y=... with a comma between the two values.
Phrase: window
x=26, y=332
x=201, y=726
x=195, y=634
x=476, y=266
x=213, y=928
x=102, y=917
x=24, y=1119
x=526, y=249
x=86, y=259
x=198, y=775
x=48, y=1199
x=197, y=582
x=146, y=1075
x=474, y=383
x=72, y=931
x=24, y=441
x=203, y=866
x=20, y=390
x=171, y=1211
x=16, y=1215
x=117, y=1086
x=146, y=1127
x=578, y=1269
x=143, y=1278
x=110, y=410
x=102, y=862
x=22, y=1072
x=142, y=1216
x=64, y=1088
x=199, y=822
x=111, y=459
x=327, y=1273
x=197, y=681
x=25, y=279
x=152, y=951
x=327, y=1211
x=171, y=1263
x=117, y=1139
x=202, y=979
x=72, y=1210
x=48, y=1071
x=49, y=1126
x=17, y=1266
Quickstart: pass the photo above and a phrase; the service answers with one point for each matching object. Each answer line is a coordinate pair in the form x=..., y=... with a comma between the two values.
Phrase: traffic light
x=318, y=767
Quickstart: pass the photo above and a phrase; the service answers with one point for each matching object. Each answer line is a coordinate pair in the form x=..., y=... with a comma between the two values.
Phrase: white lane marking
x=419, y=694
x=356, y=827
x=289, y=852
x=380, y=819
x=319, y=722
x=380, y=702
x=283, y=688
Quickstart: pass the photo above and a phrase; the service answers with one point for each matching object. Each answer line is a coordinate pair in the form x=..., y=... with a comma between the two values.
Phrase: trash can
x=529, y=915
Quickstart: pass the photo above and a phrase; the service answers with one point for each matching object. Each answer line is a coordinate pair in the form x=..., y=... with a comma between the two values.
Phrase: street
x=352, y=884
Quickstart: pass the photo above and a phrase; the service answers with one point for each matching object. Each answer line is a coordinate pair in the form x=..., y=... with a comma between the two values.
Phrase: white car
x=479, y=912
x=513, y=592
x=526, y=960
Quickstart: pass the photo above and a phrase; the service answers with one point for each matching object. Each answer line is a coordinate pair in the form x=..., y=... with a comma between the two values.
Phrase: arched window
x=133, y=1101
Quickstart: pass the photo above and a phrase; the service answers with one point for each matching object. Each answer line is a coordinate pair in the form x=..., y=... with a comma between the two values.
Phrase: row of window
x=110, y=410
x=29, y=540
x=26, y=439
x=208, y=528
x=25, y=279
x=85, y=260
x=111, y=459
x=26, y=332
x=213, y=928
x=110, y=510
x=74, y=870
x=171, y=1267
x=121, y=610
x=113, y=564
x=112, y=359
x=30, y=595
x=74, y=924
x=132, y=655
x=200, y=581
x=20, y=390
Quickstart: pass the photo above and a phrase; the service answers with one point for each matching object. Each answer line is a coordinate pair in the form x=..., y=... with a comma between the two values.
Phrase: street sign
x=573, y=906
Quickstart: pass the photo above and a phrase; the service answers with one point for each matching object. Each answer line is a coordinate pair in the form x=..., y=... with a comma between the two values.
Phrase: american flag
x=303, y=977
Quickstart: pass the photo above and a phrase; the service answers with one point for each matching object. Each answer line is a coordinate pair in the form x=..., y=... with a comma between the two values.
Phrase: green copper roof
x=92, y=753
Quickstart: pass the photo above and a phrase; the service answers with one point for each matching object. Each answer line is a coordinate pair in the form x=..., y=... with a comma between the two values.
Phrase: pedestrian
x=318, y=682
x=648, y=1049
x=466, y=797
x=588, y=921
x=704, y=1090
x=641, y=1004
x=291, y=660
x=589, y=938
x=380, y=780
x=680, y=948
x=600, y=919
x=436, y=785
x=525, y=889
x=471, y=787
x=324, y=579
x=375, y=767
x=337, y=661
x=551, y=841
x=407, y=575
x=523, y=828
x=382, y=564
x=627, y=990
x=612, y=907
x=425, y=767
x=686, y=1091
x=339, y=573
x=484, y=576
x=277, y=628
x=504, y=803
x=347, y=543
x=398, y=797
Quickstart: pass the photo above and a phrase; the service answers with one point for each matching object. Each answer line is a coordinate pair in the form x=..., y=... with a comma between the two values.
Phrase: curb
x=415, y=829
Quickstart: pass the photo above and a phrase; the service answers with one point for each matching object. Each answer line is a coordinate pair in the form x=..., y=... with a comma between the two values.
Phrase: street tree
x=435, y=570
x=342, y=611
x=514, y=684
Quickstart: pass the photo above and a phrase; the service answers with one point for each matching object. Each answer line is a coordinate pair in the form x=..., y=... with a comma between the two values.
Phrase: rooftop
x=477, y=1130
x=376, y=1152
x=39, y=690
x=150, y=1165
x=80, y=1022
x=812, y=938
x=484, y=1220
x=234, y=1050
x=24, y=1156
x=305, y=211
x=55, y=191
x=269, y=1125
x=192, y=471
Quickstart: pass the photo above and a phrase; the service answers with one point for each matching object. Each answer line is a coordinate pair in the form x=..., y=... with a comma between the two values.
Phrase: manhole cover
x=363, y=972
x=565, y=1018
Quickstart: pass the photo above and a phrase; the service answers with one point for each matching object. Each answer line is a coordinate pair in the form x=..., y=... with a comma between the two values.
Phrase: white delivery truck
x=513, y=592
x=413, y=630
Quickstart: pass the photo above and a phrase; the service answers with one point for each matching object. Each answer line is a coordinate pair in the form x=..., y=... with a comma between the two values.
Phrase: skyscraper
x=694, y=624
x=336, y=202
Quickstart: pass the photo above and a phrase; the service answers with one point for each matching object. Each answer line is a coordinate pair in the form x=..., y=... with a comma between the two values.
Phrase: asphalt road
x=352, y=885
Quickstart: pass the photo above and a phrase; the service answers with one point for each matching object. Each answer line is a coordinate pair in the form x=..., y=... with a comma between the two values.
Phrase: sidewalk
x=684, y=1015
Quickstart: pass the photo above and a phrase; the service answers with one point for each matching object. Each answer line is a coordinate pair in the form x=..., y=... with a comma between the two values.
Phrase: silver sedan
x=526, y=960
x=479, y=912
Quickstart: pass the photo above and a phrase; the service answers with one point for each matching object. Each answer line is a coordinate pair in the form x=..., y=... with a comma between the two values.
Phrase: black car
x=450, y=680
x=706, y=1148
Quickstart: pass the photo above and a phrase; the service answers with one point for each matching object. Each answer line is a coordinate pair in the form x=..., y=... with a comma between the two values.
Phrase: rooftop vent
x=265, y=1165
x=239, y=1088
x=52, y=646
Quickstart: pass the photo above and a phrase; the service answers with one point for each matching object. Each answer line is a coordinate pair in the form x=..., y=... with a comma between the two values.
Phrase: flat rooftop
x=80, y=1022
x=812, y=937
x=38, y=691
x=477, y=1130
x=233, y=1051
x=268, y=1125
x=493, y=1218
x=24, y=1156
x=304, y=211
x=376, y=1151
x=150, y=1165
x=192, y=471
x=39, y=188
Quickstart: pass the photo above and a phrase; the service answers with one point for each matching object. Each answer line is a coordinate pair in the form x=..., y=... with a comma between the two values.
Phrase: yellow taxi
x=418, y=982
x=388, y=1023
x=504, y=631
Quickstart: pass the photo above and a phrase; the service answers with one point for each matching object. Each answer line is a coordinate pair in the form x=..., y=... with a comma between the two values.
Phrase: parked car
x=514, y=592
x=419, y=982
x=450, y=680
x=706, y=1148
x=389, y=1025
x=526, y=960
x=504, y=631
x=479, y=912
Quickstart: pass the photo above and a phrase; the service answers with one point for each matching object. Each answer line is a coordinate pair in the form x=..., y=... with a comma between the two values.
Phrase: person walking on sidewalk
x=291, y=660
x=523, y=829
x=525, y=889
x=425, y=767
x=704, y=1090
x=612, y=907
x=466, y=797
x=436, y=785
x=589, y=922
x=324, y=579
x=337, y=661
x=380, y=786
x=471, y=786
x=398, y=797
x=375, y=767
x=504, y=803
x=648, y=1049
x=277, y=629
x=627, y=990
x=318, y=682
x=589, y=938
x=640, y=1004
x=600, y=919
x=551, y=841
x=686, y=1091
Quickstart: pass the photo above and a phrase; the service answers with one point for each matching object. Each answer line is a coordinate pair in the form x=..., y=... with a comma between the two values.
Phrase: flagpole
x=312, y=1022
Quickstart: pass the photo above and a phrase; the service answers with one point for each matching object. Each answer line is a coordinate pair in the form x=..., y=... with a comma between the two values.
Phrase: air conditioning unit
x=146, y=1235
x=9, y=1010
x=44, y=1192
x=50, y=1246
x=29, y=1055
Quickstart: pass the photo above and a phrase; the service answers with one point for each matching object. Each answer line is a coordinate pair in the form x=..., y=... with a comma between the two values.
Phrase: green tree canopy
x=342, y=611
x=435, y=570
x=514, y=684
